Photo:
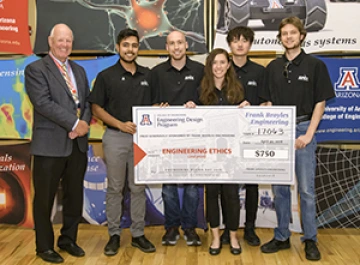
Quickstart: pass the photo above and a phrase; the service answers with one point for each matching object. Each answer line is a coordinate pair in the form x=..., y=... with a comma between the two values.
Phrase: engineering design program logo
x=145, y=120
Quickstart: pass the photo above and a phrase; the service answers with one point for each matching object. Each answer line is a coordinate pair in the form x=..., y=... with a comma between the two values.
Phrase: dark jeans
x=187, y=215
x=229, y=198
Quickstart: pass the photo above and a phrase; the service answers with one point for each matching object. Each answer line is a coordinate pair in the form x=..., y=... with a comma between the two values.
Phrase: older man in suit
x=58, y=89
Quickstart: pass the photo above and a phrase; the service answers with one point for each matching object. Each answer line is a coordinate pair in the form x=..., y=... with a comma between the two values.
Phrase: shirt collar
x=244, y=68
x=139, y=68
x=297, y=60
x=169, y=66
x=58, y=61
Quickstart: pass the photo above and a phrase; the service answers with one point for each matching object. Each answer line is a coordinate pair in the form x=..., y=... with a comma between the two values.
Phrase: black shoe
x=50, y=256
x=73, y=249
x=250, y=237
x=225, y=237
x=235, y=251
x=142, y=243
x=191, y=237
x=275, y=245
x=311, y=250
x=215, y=251
x=112, y=247
x=171, y=236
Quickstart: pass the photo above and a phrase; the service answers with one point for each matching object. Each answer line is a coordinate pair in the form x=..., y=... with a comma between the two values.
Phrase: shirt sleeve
x=147, y=100
x=154, y=87
x=264, y=89
x=324, y=89
x=98, y=94
x=261, y=84
x=196, y=96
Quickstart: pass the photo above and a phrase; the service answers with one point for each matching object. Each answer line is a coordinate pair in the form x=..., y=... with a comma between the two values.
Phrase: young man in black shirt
x=174, y=83
x=116, y=90
x=300, y=80
x=251, y=76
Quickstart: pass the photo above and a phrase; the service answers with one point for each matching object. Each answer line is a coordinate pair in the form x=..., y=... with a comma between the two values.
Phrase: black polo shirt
x=117, y=90
x=251, y=76
x=221, y=96
x=173, y=86
x=306, y=83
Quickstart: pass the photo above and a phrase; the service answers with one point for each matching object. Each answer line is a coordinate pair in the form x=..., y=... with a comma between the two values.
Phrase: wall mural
x=96, y=23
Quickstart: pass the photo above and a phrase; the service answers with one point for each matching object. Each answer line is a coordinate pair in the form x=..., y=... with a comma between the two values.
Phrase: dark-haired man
x=303, y=81
x=116, y=90
x=251, y=76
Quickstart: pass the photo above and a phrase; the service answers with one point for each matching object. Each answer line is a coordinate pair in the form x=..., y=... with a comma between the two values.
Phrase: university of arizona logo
x=348, y=79
x=145, y=120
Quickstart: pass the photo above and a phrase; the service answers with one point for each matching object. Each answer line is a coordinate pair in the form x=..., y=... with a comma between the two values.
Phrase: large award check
x=214, y=145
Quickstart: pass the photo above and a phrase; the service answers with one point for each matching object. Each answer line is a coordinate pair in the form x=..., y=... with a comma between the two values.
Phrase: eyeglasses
x=286, y=70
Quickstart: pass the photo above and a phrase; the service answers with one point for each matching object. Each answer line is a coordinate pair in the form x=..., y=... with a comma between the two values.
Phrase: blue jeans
x=305, y=166
x=187, y=215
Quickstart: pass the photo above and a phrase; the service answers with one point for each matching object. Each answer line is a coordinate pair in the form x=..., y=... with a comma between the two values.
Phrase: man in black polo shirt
x=300, y=80
x=115, y=91
x=174, y=82
x=251, y=76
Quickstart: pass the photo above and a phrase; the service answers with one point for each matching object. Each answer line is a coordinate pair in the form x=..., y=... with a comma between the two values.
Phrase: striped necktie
x=71, y=86
x=69, y=83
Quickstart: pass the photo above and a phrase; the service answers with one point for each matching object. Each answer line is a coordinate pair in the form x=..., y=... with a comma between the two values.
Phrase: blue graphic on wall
x=93, y=67
x=15, y=106
x=341, y=119
x=95, y=184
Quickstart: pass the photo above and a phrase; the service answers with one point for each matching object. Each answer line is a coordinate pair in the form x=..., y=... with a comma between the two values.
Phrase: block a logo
x=348, y=79
x=145, y=121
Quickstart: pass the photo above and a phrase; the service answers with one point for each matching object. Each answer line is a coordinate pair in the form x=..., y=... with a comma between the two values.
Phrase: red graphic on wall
x=14, y=28
x=15, y=185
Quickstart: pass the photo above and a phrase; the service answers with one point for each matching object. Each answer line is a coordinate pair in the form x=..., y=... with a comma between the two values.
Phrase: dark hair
x=237, y=32
x=232, y=87
x=125, y=33
x=296, y=22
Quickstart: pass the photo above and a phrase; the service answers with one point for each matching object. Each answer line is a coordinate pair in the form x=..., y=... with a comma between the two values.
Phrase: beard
x=123, y=58
x=292, y=46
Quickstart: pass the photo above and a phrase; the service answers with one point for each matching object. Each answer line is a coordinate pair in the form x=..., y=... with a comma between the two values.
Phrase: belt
x=303, y=118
